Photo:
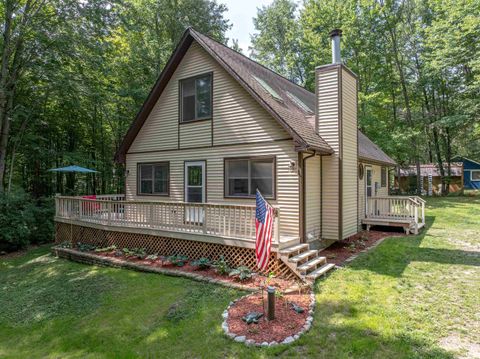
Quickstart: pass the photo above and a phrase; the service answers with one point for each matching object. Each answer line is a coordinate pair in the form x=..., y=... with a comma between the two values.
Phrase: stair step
x=303, y=255
x=312, y=264
x=293, y=249
x=320, y=271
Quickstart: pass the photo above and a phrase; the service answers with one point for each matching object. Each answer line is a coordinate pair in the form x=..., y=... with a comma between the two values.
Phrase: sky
x=240, y=13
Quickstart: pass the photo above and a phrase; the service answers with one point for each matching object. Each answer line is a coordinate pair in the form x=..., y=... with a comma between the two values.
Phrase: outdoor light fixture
x=292, y=167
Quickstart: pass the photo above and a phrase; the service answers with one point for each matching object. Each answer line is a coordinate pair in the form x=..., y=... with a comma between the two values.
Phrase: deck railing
x=221, y=220
x=397, y=208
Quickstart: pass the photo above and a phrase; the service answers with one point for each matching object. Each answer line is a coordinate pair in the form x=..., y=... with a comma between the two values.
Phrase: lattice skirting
x=165, y=246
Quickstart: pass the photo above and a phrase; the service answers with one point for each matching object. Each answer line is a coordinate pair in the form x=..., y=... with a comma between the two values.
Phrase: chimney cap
x=335, y=32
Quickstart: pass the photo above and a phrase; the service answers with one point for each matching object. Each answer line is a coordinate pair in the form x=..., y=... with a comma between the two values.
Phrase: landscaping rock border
x=250, y=342
x=89, y=258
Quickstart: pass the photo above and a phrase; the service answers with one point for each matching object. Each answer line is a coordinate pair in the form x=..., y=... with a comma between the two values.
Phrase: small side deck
x=395, y=211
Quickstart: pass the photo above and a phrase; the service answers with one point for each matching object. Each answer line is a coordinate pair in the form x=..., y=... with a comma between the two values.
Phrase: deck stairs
x=307, y=263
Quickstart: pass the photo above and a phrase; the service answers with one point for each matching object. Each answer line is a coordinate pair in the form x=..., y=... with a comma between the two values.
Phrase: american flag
x=263, y=231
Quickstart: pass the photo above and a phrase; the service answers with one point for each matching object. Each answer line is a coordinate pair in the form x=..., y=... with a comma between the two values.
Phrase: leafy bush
x=106, y=249
x=152, y=257
x=43, y=229
x=177, y=260
x=85, y=247
x=65, y=244
x=24, y=220
x=242, y=273
x=139, y=253
x=202, y=263
x=221, y=266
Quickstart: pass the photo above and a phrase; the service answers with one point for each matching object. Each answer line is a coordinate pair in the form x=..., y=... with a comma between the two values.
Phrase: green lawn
x=417, y=296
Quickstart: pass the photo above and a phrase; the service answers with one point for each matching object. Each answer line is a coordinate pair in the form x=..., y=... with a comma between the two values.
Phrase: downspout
x=303, y=222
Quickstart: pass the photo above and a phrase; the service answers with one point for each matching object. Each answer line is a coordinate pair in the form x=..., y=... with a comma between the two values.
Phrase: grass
x=411, y=297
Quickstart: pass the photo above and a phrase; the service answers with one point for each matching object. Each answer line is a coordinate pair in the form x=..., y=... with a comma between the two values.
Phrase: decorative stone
x=240, y=339
x=307, y=326
x=225, y=314
x=264, y=344
x=288, y=340
x=296, y=336
x=250, y=342
x=231, y=335
x=225, y=327
x=272, y=344
x=309, y=319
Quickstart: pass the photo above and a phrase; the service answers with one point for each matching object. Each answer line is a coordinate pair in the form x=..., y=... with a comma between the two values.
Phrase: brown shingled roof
x=369, y=151
x=243, y=69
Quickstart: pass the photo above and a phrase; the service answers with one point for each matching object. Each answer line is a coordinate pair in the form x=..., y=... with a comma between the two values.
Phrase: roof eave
x=166, y=74
x=376, y=161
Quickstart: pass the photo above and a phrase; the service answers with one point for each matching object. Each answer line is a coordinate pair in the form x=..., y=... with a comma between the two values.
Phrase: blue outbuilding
x=471, y=172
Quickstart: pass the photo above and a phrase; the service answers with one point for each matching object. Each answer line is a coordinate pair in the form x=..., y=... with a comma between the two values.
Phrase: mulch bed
x=257, y=280
x=287, y=322
x=340, y=251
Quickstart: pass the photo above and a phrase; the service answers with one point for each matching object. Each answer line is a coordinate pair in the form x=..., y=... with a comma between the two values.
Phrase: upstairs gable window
x=196, y=98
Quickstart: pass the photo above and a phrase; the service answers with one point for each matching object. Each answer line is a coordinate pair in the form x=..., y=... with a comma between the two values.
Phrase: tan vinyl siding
x=312, y=198
x=330, y=194
x=327, y=90
x=237, y=117
x=286, y=181
x=196, y=134
x=349, y=154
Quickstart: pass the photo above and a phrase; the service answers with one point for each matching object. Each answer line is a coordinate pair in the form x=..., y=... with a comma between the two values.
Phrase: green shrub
x=177, y=260
x=106, y=249
x=85, y=247
x=139, y=253
x=242, y=273
x=24, y=220
x=221, y=266
x=202, y=263
x=43, y=227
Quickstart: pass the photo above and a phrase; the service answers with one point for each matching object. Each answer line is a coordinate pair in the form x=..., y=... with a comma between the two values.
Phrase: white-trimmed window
x=383, y=177
x=196, y=98
x=475, y=175
x=244, y=175
x=153, y=178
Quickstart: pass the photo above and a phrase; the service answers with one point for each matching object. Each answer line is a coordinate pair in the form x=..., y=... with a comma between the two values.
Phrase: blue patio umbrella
x=73, y=169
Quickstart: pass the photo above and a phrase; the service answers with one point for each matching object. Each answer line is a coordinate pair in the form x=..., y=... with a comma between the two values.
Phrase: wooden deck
x=396, y=211
x=205, y=222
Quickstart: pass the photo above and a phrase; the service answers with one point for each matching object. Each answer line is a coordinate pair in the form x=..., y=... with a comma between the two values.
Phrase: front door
x=195, y=190
x=368, y=182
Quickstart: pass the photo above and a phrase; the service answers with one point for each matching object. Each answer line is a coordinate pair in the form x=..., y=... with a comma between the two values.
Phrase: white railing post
x=277, y=226
x=151, y=214
x=80, y=208
x=109, y=213
x=205, y=217
x=423, y=213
